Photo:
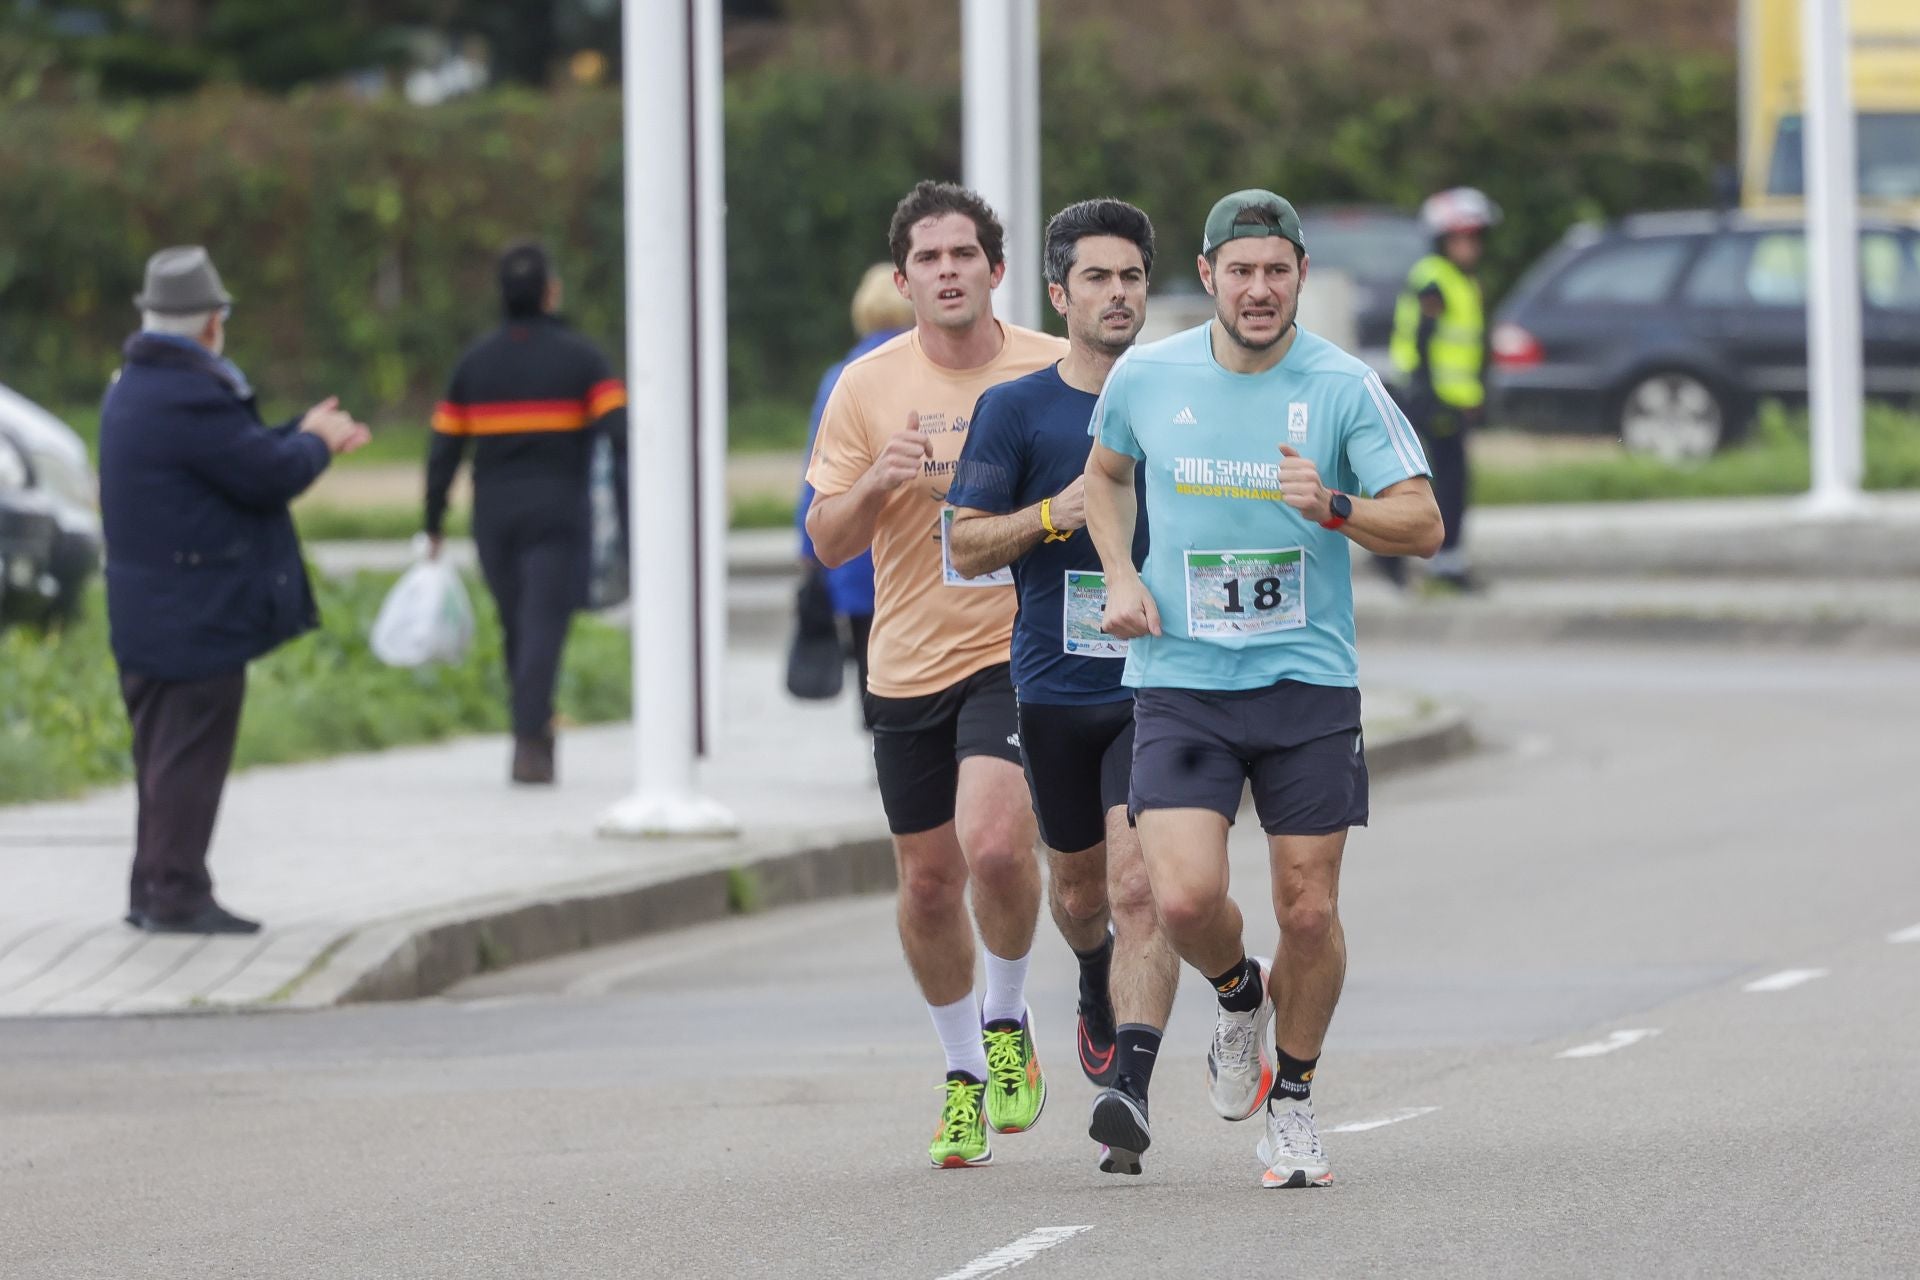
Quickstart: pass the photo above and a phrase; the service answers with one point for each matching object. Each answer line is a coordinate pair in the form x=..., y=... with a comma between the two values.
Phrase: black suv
x=1667, y=329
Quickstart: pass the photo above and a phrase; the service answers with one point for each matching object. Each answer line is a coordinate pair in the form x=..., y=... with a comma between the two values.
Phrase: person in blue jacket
x=880, y=314
x=204, y=572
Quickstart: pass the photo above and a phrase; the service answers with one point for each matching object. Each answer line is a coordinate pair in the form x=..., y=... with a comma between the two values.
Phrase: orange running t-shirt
x=927, y=635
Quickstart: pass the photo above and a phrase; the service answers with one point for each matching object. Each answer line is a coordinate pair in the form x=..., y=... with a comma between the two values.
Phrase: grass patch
x=1772, y=460
x=63, y=728
x=371, y=524
x=757, y=426
x=743, y=891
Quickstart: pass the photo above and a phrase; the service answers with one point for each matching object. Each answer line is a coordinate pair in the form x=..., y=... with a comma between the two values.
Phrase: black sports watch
x=1342, y=507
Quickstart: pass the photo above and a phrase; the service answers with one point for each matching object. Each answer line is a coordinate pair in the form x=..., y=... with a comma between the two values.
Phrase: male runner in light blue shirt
x=1258, y=441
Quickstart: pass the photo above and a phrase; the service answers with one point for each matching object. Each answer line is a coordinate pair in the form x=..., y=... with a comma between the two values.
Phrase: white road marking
x=1617, y=1040
x=1009, y=1256
x=1392, y=1117
x=1784, y=979
x=1905, y=935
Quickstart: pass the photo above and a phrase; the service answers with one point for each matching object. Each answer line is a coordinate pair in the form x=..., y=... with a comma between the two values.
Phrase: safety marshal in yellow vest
x=1439, y=347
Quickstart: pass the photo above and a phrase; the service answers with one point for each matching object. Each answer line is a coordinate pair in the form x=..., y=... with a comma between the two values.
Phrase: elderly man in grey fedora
x=204, y=571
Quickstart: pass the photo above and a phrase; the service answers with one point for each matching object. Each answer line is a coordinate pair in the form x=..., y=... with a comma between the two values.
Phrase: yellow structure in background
x=1886, y=100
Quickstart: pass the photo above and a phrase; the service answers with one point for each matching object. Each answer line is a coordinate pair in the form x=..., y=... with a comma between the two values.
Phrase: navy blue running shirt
x=1028, y=441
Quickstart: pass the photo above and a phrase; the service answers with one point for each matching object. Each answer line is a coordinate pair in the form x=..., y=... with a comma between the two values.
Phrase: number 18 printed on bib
x=1245, y=593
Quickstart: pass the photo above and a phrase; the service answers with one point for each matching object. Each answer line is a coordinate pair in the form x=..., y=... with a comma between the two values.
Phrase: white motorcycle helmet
x=1459, y=209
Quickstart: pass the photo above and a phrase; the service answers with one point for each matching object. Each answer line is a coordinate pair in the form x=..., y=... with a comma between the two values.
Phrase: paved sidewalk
x=400, y=873
x=1767, y=538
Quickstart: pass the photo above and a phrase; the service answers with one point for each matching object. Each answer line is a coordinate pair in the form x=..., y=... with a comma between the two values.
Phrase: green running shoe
x=1016, y=1091
x=960, y=1139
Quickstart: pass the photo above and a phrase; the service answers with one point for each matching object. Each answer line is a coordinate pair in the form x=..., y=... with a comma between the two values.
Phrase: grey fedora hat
x=182, y=281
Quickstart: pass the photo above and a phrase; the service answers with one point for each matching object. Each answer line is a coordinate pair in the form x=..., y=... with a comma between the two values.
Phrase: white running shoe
x=1240, y=1059
x=1291, y=1148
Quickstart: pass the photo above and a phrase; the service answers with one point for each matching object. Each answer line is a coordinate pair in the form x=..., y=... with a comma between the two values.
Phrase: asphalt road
x=1548, y=1006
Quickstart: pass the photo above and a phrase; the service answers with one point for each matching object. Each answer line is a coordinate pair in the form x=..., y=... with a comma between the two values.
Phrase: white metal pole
x=1834, y=379
x=656, y=97
x=710, y=283
x=1024, y=219
x=999, y=68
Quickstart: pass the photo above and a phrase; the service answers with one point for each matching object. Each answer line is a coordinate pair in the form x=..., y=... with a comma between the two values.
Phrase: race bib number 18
x=1245, y=593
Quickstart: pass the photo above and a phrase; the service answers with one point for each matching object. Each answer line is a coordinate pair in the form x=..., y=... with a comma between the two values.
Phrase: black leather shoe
x=533, y=761
x=212, y=918
x=135, y=919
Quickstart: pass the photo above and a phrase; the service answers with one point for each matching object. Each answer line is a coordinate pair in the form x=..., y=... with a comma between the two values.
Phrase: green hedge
x=63, y=728
x=358, y=236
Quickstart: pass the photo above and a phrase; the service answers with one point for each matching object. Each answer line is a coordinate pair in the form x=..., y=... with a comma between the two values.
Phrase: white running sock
x=958, y=1026
x=1006, y=989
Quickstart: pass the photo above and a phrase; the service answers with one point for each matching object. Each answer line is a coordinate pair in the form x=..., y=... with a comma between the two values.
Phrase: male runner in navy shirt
x=1017, y=494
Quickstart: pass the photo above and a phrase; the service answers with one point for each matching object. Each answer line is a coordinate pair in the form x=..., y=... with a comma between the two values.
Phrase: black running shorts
x=918, y=744
x=1298, y=744
x=1078, y=760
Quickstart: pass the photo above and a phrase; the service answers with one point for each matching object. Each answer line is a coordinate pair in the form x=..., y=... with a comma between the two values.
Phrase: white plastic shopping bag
x=425, y=618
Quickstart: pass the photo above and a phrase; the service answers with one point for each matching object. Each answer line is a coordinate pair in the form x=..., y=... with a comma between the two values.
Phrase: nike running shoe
x=1016, y=1091
x=1119, y=1125
x=1291, y=1148
x=1098, y=1060
x=960, y=1139
x=1240, y=1061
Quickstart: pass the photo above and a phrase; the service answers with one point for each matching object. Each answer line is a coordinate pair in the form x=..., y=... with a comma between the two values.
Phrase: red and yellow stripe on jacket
x=514, y=417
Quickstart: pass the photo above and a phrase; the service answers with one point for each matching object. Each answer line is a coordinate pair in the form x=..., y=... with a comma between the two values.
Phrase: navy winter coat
x=204, y=571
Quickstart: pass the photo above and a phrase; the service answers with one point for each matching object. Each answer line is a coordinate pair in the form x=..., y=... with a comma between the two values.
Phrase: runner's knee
x=1307, y=920
x=999, y=865
x=1078, y=884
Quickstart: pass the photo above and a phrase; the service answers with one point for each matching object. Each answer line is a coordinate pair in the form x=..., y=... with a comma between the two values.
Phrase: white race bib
x=1245, y=593
x=1086, y=602
x=1001, y=577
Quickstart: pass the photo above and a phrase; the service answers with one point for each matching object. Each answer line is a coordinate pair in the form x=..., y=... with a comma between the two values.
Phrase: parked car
x=1375, y=246
x=1666, y=330
x=50, y=539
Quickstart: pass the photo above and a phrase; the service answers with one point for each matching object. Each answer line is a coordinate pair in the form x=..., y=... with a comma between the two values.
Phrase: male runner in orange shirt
x=946, y=734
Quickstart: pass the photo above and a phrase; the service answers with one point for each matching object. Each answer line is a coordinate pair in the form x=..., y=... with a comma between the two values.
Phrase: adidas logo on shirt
x=1185, y=418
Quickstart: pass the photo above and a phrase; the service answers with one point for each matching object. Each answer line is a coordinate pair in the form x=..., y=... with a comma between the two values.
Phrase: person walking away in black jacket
x=204, y=572
x=532, y=399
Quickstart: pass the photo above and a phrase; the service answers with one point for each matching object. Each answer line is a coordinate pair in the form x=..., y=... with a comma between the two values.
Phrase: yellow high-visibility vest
x=1457, y=351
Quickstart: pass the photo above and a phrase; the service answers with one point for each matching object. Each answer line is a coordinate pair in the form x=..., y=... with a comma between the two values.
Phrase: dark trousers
x=537, y=575
x=183, y=736
x=860, y=628
x=1443, y=437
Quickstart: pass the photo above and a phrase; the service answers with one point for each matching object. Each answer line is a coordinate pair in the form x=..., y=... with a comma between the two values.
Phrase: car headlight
x=67, y=480
x=14, y=472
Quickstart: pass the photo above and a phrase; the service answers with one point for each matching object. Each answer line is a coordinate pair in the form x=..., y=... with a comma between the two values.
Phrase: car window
x=1887, y=275
x=1770, y=269
x=1631, y=272
x=1719, y=275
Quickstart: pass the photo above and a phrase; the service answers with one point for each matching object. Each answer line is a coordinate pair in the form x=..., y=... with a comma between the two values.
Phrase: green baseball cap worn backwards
x=1251, y=213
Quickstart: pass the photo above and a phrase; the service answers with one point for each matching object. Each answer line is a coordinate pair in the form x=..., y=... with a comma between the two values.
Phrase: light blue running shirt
x=1250, y=592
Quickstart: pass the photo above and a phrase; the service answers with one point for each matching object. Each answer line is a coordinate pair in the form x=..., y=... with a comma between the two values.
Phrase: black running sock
x=1293, y=1082
x=1136, y=1049
x=1095, y=966
x=1239, y=987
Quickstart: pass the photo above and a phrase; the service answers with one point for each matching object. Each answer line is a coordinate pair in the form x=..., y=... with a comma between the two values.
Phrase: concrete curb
x=423, y=954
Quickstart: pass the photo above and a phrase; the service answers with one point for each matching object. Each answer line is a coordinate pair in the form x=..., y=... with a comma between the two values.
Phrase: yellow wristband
x=1046, y=522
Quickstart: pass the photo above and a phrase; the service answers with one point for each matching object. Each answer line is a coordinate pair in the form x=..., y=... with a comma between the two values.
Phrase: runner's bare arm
x=982, y=542
x=1401, y=520
x=1112, y=512
x=842, y=524
x=1112, y=508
